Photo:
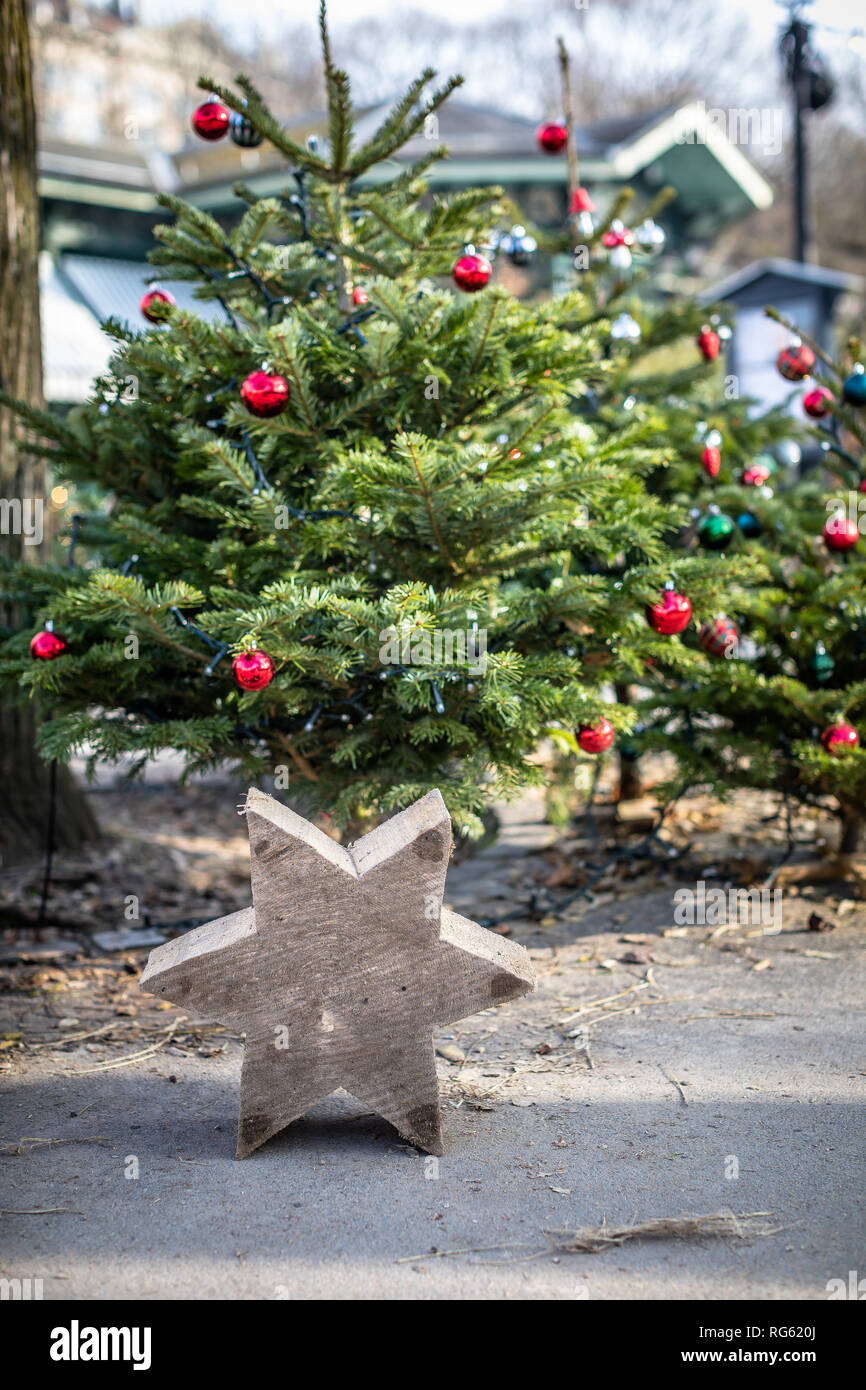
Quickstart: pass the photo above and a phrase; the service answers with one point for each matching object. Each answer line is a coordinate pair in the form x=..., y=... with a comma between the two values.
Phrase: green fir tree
x=784, y=705
x=433, y=477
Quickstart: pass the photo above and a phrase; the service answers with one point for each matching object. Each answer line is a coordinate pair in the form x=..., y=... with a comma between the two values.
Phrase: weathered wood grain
x=341, y=969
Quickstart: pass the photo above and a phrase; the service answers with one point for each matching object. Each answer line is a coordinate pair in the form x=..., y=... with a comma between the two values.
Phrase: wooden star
x=341, y=969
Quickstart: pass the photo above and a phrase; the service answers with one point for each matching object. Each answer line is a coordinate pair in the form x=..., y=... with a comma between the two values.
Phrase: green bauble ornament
x=715, y=531
x=823, y=664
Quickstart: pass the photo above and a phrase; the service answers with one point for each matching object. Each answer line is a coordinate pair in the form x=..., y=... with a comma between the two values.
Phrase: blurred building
x=807, y=295
x=101, y=77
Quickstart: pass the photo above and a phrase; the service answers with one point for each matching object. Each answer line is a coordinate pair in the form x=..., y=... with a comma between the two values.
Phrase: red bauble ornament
x=265, y=394
x=154, y=304
x=211, y=120
x=618, y=239
x=253, y=670
x=795, y=362
x=709, y=342
x=471, y=272
x=711, y=461
x=360, y=296
x=861, y=487
x=618, y=235
x=817, y=402
x=580, y=210
x=719, y=637
x=595, y=738
x=580, y=201
x=671, y=614
x=552, y=137
x=46, y=645
x=838, y=738
x=841, y=532
x=755, y=475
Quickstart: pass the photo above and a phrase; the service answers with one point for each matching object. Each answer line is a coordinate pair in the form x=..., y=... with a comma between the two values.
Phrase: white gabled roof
x=691, y=124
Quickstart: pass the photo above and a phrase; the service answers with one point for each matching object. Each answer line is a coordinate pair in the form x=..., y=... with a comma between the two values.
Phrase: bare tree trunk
x=24, y=778
x=629, y=772
x=852, y=829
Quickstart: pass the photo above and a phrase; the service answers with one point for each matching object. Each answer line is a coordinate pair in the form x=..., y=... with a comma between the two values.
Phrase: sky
x=234, y=15
x=749, y=81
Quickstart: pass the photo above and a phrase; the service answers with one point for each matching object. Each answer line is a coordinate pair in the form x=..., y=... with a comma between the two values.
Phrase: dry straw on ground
x=594, y=1239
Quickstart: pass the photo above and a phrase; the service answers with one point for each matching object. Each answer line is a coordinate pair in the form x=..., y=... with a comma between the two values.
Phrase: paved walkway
x=724, y=1071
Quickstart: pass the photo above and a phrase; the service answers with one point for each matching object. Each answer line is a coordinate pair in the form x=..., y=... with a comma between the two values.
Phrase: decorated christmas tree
x=713, y=446
x=787, y=692
x=360, y=534
x=661, y=385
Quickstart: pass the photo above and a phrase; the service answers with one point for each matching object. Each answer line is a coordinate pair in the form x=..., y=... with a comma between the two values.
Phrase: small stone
x=819, y=923
x=128, y=939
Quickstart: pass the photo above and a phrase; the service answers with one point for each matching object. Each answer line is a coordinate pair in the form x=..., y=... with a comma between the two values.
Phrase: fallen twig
x=18, y=1148
x=728, y=1013
x=633, y=1008
x=598, y=1003
x=466, y=1250
x=133, y=1056
x=80, y=1037
x=673, y=1083
x=39, y=1211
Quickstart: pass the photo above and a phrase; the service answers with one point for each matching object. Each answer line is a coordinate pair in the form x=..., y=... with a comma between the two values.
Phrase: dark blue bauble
x=749, y=525
x=243, y=132
x=518, y=246
x=854, y=388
